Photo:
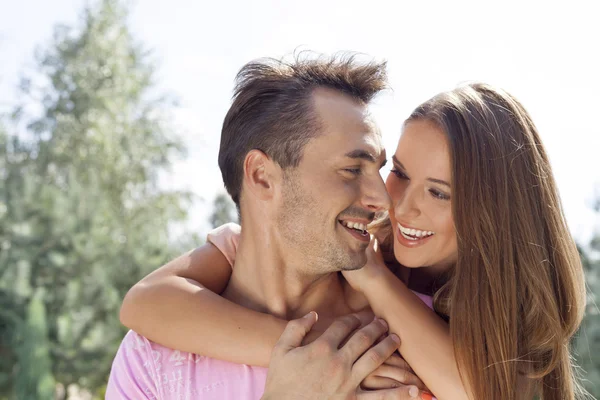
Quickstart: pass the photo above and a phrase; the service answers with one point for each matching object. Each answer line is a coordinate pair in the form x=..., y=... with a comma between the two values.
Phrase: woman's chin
x=410, y=265
x=408, y=262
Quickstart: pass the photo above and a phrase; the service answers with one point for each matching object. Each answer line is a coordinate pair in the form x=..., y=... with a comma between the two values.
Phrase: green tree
x=34, y=378
x=587, y=343
x=224, y=210
x=11, y=311
x=84, y=215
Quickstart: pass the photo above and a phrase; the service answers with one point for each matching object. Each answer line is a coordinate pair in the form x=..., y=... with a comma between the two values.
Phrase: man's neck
x=268, y=279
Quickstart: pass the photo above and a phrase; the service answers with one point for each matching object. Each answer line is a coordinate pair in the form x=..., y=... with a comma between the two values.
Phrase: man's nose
x=376, y=197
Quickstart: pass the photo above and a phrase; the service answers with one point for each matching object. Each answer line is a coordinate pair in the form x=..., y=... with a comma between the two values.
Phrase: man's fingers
x=398, y=374
x=400, y=393
x=374, y=357
x=365, y=317
x=363, y=339
x=340, y=330
x=294, y=332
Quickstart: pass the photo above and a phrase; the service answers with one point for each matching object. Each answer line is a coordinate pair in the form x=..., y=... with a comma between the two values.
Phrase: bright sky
x=546, y=53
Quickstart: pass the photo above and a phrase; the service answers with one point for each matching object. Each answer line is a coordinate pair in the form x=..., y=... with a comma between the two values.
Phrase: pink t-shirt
x=146, y=370
x=143, y=369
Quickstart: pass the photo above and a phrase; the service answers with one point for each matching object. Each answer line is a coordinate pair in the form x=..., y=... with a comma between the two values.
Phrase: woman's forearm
x=425, y=338
x=181, y=314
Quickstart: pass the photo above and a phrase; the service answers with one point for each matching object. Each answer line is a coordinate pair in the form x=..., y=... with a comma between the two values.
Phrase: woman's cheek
x=395, y=188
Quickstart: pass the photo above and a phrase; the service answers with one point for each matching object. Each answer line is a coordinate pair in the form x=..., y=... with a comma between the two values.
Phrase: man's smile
x=357, y=229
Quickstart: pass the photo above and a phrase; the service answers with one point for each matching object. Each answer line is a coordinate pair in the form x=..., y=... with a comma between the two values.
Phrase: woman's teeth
x=414, y=234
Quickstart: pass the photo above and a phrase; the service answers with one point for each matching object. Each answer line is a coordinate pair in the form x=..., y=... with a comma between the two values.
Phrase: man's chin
x=351, y=256
x=353, y=267
x=356, y=262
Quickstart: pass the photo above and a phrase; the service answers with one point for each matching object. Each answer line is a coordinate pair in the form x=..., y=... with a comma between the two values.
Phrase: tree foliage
x=587, y=342
x=224, y=211
x=82, y=216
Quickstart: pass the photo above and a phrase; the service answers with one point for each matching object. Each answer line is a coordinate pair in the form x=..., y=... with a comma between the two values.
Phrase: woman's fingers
x=397, y=374
x=374, y=382
x=397, y=360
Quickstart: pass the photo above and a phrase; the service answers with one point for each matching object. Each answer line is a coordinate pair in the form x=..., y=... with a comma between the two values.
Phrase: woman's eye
x=399, y=174
x=439, y=195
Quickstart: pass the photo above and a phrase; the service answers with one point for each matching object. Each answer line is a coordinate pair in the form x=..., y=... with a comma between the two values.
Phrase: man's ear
x=260, y=174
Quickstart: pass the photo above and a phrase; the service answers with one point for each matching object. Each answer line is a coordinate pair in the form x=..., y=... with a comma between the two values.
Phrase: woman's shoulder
x=226, y=238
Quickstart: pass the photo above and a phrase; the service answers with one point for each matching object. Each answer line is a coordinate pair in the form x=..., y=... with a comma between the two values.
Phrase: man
x=300, y=156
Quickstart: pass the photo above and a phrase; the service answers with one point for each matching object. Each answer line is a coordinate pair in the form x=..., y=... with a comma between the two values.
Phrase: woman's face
x=419, y=186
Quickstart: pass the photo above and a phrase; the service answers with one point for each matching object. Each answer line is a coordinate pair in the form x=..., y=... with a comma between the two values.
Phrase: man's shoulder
x=165, y=372
x=155, y=355
x=132, y=374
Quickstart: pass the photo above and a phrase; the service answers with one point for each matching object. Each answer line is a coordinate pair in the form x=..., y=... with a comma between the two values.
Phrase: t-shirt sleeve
x=226, y=238
x=428, y=300
x=132, y=374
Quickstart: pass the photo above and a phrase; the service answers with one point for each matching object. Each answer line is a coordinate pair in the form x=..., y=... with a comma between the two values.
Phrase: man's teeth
x=355, y=225
x=414, y=233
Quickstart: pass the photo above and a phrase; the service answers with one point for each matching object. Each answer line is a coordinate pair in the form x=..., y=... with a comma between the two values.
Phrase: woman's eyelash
x=399, y=174
x=439, y=195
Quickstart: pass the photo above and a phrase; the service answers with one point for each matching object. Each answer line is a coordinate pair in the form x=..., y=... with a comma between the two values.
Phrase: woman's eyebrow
x=434, y=180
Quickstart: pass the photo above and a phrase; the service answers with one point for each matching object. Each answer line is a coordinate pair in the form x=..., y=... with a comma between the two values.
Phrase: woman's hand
x=394, y=372
x=360, y=279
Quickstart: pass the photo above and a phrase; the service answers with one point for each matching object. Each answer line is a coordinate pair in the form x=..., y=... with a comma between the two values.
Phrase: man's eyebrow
x=365, y=155
x=362, y=154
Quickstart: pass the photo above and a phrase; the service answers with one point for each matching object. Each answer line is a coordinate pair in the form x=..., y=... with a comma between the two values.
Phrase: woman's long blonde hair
x=516, y=295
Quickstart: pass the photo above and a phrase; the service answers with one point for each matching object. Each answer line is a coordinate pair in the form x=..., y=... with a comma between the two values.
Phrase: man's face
x=328, y=200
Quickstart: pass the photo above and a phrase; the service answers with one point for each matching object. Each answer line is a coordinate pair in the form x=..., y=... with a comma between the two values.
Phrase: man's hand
x=326, y=369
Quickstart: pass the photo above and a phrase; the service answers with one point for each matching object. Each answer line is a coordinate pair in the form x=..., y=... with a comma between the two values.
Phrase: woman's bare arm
x=179, y=306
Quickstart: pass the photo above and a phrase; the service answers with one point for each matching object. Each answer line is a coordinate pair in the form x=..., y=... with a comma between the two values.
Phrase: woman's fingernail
x=427, y=396
x=413, y=392
x=310, y=314
x=395, y=338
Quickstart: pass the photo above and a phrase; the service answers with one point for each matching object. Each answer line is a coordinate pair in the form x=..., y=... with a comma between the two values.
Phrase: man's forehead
x=374, y=138
x=347, y=128
x=369, y=140
x=336, y=110
x=365, y=145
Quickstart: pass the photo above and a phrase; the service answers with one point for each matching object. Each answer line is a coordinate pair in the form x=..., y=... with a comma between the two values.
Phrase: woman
x=477, y=223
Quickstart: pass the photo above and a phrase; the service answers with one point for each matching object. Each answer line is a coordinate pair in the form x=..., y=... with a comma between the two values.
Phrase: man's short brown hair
x=272, y=109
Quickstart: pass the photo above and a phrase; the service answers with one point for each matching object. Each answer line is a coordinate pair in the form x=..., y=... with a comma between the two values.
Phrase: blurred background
x=110, y=116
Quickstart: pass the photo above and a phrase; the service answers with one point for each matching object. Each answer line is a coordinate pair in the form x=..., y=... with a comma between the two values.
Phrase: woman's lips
x=411, y=237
